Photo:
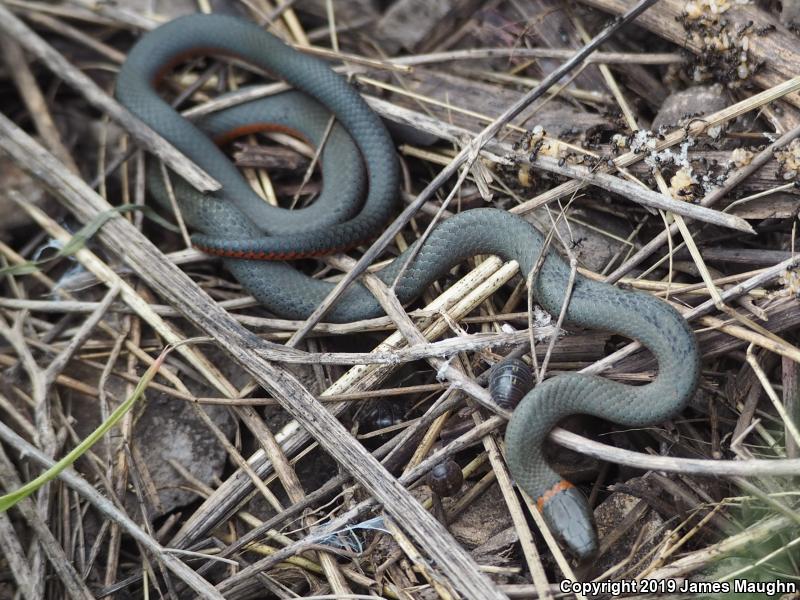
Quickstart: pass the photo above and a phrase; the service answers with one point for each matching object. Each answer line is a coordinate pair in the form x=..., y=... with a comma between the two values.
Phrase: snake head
x=568, y=515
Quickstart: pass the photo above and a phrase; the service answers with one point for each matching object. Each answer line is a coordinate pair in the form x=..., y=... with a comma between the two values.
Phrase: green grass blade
x=26, y=490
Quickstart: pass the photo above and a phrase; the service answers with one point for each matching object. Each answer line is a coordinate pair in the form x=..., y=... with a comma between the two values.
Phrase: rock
x=169, y=429
x=494, y=551
x=696, y=101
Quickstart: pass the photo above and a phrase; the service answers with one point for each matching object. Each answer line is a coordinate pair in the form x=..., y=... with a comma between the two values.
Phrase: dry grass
x=314, y=439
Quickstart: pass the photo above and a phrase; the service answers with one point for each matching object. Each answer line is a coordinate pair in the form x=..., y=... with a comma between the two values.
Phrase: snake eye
x=509, y=381
x=446, y=479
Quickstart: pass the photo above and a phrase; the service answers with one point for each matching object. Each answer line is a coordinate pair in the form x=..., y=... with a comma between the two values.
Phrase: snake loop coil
x=359, y=158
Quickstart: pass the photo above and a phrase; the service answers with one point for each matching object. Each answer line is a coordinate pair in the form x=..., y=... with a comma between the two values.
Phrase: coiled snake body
x=236, y=224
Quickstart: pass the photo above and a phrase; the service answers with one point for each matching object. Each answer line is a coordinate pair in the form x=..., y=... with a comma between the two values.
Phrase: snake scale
x=359, y=159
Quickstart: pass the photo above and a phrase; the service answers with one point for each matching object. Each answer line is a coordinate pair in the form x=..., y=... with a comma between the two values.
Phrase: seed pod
x=509, y=381
x=445, y=478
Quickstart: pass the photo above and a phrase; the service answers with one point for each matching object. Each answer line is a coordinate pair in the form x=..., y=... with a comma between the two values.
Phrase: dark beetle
x=509, y=381
x=446, y=478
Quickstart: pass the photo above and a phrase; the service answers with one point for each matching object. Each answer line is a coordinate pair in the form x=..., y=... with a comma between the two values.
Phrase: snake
x=359, y=161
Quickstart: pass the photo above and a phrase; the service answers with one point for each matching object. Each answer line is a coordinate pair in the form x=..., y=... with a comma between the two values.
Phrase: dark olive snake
x=359, y=160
